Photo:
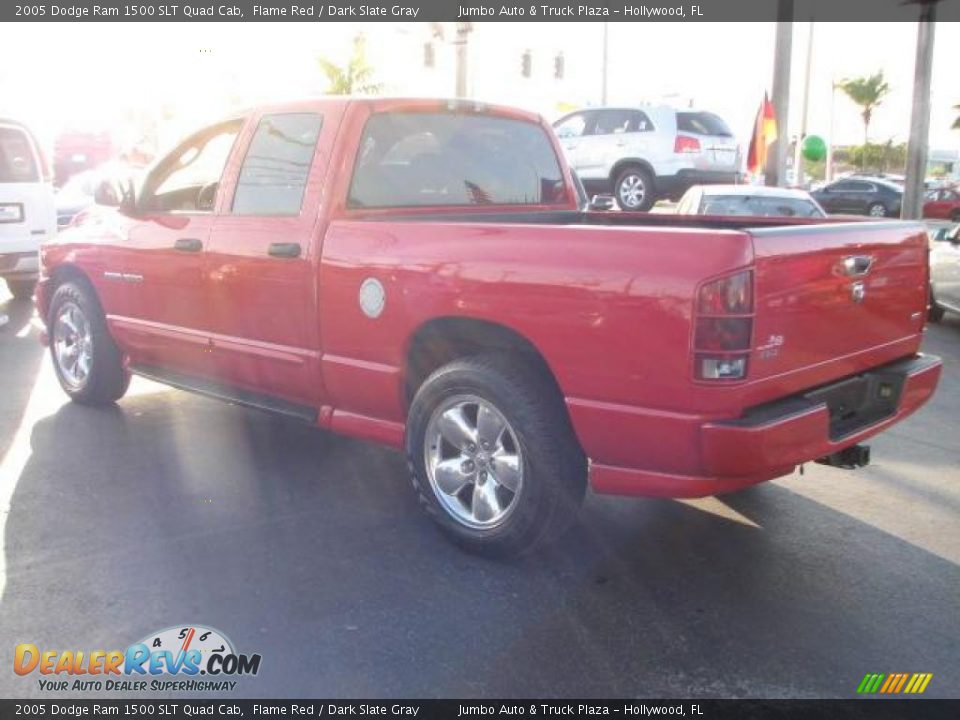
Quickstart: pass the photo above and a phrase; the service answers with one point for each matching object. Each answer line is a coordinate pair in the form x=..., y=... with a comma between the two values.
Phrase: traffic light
x=526, y=65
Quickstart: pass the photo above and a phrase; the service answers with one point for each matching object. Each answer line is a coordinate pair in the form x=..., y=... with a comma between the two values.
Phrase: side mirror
x=108, y=194
x=116, y=192
x=602, y=203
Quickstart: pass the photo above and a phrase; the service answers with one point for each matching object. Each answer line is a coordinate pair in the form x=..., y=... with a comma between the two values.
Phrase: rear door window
x=275, y=170
x=17, y=161
x=616, y=122
x=573, y=126
x=413, y=159
x=702, y=123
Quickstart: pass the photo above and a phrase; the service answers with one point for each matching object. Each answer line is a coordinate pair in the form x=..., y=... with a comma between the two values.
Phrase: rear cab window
x=702, y=123
x=18, y=162
x=276, y=168
x=758, y=206
x=431, y=159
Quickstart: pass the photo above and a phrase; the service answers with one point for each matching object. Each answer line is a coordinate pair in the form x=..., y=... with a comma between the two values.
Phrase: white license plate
x=11, y=212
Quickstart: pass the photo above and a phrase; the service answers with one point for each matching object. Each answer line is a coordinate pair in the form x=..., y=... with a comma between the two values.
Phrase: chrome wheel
x=877, y=211
x=73, y=345
x=632, y=191
x=473, y=461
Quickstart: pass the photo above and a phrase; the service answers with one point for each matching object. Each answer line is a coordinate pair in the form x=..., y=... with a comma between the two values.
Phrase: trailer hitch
x=849, y=458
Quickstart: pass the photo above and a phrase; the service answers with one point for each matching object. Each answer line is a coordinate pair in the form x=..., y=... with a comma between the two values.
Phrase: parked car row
x=873, y=196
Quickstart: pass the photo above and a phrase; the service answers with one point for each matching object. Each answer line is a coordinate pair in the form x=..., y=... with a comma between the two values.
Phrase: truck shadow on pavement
x=309, y=549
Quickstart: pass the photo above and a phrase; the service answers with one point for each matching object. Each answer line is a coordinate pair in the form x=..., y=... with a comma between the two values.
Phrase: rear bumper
x=769, y=441
x=19, y=264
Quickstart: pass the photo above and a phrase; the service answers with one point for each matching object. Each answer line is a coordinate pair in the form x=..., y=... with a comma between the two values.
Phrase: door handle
x=857, y=265
x=285, y=250
x=188, y=245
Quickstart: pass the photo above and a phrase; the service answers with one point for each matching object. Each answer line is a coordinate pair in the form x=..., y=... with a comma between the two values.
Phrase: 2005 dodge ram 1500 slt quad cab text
x=422, y=273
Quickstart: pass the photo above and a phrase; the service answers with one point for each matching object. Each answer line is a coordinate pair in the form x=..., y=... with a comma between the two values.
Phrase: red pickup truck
x=423, y=273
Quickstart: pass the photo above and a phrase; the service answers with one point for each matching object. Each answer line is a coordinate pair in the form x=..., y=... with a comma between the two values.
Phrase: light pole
x=798, y=153
x=606, y=45
x=828, y=173
x=460, y=42
x=777, y=158
x=920, y=115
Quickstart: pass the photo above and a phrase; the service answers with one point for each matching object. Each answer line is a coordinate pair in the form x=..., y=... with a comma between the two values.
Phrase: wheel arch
x=624, y=163
x=441, y=340
x=61, y=274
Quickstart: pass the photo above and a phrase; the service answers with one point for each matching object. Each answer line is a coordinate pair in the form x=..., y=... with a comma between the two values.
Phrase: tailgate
x=827, y=293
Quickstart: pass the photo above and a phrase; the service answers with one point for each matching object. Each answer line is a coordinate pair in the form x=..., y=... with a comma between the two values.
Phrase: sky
x=59, y=75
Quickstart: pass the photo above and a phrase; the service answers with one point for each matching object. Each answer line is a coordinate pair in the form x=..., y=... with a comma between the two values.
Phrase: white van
x=28, y=214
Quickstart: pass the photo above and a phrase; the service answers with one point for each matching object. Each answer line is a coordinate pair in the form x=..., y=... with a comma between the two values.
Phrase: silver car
x=749, y=200
x=645, y=153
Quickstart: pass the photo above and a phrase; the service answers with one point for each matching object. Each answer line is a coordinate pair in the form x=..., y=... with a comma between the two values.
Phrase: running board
x=227, y=393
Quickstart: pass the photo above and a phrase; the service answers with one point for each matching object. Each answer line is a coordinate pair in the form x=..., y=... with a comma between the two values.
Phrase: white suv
x=28, y=214
x=642, y=154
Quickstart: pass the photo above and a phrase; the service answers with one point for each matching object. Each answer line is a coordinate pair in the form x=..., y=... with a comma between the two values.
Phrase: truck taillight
x=686, y=144
x=723, y=327
x=731, y=295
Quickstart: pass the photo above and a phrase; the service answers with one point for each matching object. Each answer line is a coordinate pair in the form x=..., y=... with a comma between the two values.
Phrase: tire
x=21, y=289
x=625, y=186
x=877, y=210
x=955, y=216
x=936, y=312
x=536, y=438
x=78, y=329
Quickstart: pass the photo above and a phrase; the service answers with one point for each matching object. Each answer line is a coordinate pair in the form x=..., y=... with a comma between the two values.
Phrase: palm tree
x=868, y=93
x=356, y=77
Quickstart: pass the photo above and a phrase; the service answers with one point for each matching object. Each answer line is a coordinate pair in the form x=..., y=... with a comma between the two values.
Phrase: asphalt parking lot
x=309, y=549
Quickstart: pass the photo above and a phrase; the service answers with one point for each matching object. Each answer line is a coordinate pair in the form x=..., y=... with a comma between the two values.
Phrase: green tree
x=354, y=78
x=868, y=93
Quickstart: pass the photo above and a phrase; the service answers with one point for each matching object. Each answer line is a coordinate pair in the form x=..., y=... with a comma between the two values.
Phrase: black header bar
x=174, y=709
x=860, y=11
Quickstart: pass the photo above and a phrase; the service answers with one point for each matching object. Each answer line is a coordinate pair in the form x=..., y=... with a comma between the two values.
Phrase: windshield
x=430, y=159
x=757, y=206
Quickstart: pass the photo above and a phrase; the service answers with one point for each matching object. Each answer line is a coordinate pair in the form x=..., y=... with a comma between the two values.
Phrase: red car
x=943, y=204
x=421, y=273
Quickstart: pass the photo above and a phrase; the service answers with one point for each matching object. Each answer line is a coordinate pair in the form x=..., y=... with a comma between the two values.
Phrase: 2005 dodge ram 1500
x=422, y=273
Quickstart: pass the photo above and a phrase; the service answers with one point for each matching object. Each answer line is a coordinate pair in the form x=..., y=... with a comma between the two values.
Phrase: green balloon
x=813, y=148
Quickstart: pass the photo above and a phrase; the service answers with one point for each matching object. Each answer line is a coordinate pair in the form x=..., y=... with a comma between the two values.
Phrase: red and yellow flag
x=764, y=133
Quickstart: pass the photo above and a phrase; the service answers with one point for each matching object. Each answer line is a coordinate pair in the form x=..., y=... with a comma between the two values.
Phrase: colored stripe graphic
x=870, y=683
x=894, y=683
